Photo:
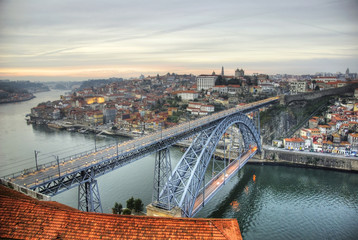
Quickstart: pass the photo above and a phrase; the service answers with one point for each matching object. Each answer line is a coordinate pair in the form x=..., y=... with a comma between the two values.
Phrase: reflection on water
x=293, y=203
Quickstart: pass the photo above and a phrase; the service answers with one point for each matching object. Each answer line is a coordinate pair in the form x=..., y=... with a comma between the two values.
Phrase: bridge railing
x=51, y=163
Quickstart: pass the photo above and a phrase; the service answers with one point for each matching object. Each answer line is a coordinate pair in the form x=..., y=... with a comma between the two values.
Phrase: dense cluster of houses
x=336, y=132
x=130, y=105
x=150, y=103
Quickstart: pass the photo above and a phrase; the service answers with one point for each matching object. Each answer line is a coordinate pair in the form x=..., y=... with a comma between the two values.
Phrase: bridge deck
x=214, y=185
x=46, y=173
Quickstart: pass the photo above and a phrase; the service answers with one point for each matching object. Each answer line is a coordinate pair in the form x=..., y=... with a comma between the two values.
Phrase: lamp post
x=36, y=153
x=161, y=131
x=95, y=138
x=117, y=146
x=58, y=164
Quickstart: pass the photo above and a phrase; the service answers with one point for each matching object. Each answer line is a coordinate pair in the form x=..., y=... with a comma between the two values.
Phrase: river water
x=282, y=202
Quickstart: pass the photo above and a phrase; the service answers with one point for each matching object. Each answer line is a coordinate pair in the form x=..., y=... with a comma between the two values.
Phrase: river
x=282, y=202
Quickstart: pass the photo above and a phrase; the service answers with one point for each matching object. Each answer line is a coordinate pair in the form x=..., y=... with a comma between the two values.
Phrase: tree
x=117, y=209
x=220, y=81
x=130, y=203
x=138, y=205
x=127, y=211
x=317, y=88
x=234, y=81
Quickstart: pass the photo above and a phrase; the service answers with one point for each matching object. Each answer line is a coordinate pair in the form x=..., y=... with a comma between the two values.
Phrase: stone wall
x=318, y=94
x=26, y=191
x=308, y=159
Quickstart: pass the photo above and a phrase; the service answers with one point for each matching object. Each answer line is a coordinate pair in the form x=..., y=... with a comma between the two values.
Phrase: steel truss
x=162, y=171
x=88, y=197
x=187, y=178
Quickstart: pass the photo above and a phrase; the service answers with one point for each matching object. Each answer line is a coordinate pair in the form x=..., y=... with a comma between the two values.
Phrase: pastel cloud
x=74, y=39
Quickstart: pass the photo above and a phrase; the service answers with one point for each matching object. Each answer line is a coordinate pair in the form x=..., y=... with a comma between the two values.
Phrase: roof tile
x=25, y=218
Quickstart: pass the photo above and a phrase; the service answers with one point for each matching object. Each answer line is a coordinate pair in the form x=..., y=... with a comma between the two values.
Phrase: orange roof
x=25, y=218
x=294, y=139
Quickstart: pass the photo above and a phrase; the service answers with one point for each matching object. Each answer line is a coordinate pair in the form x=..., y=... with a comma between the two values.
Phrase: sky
x=48, y=40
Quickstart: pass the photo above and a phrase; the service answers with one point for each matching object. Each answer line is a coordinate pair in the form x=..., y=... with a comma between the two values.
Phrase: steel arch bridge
x=186, y=182
x=171, y=189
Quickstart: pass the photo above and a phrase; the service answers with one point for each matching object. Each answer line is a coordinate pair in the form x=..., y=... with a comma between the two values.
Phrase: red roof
x=25, y=218
x=294, y=139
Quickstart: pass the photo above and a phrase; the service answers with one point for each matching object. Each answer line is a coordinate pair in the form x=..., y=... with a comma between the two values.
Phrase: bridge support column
x=88, y=197
x=162, y=171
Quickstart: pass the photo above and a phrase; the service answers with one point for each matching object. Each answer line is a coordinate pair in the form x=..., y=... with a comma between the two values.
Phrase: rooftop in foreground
x=23, y=217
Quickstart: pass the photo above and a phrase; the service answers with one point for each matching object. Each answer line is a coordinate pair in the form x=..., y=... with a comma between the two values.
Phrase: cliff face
x=281, y=121
x=277, y=123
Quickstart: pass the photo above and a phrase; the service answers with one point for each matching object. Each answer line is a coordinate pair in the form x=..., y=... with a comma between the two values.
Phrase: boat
x=55, y=125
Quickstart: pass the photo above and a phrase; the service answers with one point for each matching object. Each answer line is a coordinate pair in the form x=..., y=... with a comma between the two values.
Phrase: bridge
x=184, y=187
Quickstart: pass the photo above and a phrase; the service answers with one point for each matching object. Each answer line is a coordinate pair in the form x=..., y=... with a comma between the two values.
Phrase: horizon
x=77, y=41
x=80, y=79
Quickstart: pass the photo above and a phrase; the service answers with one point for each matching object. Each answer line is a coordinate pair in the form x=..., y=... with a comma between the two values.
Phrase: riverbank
x=15, y=99
x=83, y=129
x=277, y=156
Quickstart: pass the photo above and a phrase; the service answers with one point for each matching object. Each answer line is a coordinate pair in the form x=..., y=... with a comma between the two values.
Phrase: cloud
x=176, y=34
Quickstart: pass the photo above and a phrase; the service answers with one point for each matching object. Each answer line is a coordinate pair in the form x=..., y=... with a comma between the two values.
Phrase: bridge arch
x=183, y=186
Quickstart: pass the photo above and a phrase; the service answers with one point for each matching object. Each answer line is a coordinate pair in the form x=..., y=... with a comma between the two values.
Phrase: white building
x=205, y=81
x=298, y=87
x=220, y=88
x=187, y=95
x=325, y=79
x=200, y=108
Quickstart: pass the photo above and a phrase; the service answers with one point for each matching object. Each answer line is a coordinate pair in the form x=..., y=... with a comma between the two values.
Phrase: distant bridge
x=184, y=187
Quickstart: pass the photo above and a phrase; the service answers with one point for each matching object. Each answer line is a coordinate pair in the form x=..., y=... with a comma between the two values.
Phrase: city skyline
x=63, y=40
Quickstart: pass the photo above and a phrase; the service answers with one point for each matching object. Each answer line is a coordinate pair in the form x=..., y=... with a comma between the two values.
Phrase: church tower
x=222, y=71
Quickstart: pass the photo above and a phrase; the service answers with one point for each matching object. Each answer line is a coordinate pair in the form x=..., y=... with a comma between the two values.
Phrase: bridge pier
x=162, y=172
x=88, y=197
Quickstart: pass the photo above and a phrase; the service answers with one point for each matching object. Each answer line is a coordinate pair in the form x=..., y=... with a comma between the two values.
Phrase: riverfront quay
x=282, y=202
x=274, y=155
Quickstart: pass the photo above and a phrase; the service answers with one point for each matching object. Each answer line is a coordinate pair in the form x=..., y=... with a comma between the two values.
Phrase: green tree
x=130, y=203
x=127, y=211
x=138, y=205
x=117, y=209
x=220, y=81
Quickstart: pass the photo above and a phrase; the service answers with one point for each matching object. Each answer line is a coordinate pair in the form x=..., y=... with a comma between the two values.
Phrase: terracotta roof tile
x=25, y=218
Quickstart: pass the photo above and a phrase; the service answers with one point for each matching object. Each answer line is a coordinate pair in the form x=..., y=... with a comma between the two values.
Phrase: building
x=234, y=89
x=205, y=82
x=356, y=93
x=221, y=89
x=294, y=143
x=325, y=79
x=353, y=139
x=109, y=115
x=23, y=217
x=239, y=73
x=187, y=95
x=200, y=108
x=298, y=87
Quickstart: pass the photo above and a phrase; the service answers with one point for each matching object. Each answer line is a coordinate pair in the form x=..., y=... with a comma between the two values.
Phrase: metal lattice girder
x=176, y=183
x=186, y=179
x=162, y=171
x=88, y=197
